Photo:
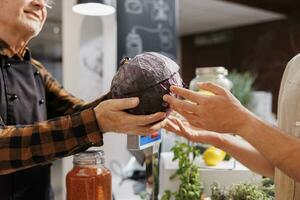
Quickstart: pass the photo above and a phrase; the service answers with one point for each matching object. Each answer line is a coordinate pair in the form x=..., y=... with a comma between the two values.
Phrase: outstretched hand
x=220, y=112
x=184, y=129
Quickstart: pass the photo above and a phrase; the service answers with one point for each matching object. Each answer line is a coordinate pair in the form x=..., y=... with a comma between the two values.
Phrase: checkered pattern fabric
x=73, y=128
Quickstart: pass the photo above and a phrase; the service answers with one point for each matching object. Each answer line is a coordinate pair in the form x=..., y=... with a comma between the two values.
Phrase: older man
x=29, y=96
x=270, y=151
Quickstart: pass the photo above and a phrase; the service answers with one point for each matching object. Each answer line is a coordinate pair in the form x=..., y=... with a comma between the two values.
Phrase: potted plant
x=188, y=173
x=244, y=191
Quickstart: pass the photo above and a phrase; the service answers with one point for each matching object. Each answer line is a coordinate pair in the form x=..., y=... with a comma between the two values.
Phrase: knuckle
x=209, y=84
x=180, y=106
x=222, y=90
x=190, y=95
x=103, y=105
x=204, y=103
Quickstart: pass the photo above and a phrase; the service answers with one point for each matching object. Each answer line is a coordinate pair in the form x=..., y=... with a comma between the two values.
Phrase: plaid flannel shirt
x=73, y=128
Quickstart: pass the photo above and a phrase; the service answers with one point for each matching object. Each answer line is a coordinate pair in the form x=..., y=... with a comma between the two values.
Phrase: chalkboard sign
x=147, y=25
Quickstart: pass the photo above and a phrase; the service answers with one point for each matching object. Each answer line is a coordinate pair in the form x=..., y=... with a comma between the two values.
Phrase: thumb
x=211, y=87
x=123, y=104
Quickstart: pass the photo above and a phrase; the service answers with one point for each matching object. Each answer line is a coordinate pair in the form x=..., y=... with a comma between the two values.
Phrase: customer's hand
x=112, y=118
x=184, y=129
x=220, y=112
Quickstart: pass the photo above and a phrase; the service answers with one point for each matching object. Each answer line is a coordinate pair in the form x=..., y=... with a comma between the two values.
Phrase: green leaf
x=188, y=173
x=166, y=195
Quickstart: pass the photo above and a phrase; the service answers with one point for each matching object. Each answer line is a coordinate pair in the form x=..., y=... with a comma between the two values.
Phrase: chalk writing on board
x=160, y=9
x=134, y=7
x=134, y=42
x=147, y=25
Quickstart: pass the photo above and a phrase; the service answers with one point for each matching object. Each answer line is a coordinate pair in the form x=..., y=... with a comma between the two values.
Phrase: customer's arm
x=247, y=155
x=281, y=149
x=236, y=147
x=223, y=113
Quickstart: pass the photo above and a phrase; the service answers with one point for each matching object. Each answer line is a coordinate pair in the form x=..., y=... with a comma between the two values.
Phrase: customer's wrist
x=246, y=124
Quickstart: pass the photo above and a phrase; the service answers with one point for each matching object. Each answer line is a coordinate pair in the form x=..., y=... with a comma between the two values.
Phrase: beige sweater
x=289, y=121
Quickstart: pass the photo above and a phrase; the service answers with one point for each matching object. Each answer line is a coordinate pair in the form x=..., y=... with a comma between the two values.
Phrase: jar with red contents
x=89, y=179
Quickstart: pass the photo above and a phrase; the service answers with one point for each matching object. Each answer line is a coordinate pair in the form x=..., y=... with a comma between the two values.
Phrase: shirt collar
x=5, y=50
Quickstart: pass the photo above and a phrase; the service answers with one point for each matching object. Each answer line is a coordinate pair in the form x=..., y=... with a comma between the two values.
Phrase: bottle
x=215, y=75
x=89, y=179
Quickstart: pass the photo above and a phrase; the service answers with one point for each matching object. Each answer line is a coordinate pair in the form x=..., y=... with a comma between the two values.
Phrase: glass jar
x=215, y=75
x=89, y=179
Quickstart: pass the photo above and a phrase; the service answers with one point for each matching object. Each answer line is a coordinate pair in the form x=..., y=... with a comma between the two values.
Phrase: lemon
x=205, y=92
x=213, y=156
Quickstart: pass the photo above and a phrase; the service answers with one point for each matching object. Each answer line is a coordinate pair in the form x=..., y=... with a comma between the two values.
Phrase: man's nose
x=41, y=4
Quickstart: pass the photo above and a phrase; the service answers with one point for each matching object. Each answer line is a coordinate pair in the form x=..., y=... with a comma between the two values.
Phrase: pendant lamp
x=93, y=8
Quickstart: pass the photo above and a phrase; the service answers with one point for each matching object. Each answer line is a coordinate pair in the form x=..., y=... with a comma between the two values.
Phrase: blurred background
x=256, y=37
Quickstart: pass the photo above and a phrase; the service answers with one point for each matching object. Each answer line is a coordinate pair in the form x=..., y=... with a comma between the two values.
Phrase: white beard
x=32, y=27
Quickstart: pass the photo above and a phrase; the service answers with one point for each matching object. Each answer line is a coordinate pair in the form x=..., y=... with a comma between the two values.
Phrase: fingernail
x=165, y=97
x=172, y=88
x=135, y=100
x=163, y=115
x=160, y=115
x=200, y=84
x=156, y=127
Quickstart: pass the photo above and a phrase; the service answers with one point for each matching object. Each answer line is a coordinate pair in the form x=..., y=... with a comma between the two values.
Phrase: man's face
x=27, y=16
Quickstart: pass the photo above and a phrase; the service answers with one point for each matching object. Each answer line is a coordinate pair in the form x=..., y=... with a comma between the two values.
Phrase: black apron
x=22, y=101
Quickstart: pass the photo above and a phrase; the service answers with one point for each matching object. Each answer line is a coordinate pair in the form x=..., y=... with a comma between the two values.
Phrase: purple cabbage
x=147, y=76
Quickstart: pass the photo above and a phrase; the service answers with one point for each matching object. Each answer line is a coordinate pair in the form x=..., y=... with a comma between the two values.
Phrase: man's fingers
x=144, y=130
x=187, y=94
x=146, y=119
x=123, y=104
x=211, y=87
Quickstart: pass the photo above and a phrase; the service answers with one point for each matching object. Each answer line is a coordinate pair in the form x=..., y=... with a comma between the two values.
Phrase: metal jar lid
x=211, y=70
x=89, y=158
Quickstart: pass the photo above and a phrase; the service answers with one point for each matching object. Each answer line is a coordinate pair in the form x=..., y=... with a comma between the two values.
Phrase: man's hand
x=112, y=118
x=220, y=112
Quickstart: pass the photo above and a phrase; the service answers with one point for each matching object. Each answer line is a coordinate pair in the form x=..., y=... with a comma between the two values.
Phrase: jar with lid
x=215, y=75
x=89, y=179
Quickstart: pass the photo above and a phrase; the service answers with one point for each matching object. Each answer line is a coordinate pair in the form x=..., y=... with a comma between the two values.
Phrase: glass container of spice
x=215, y=75
x=89, y=179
